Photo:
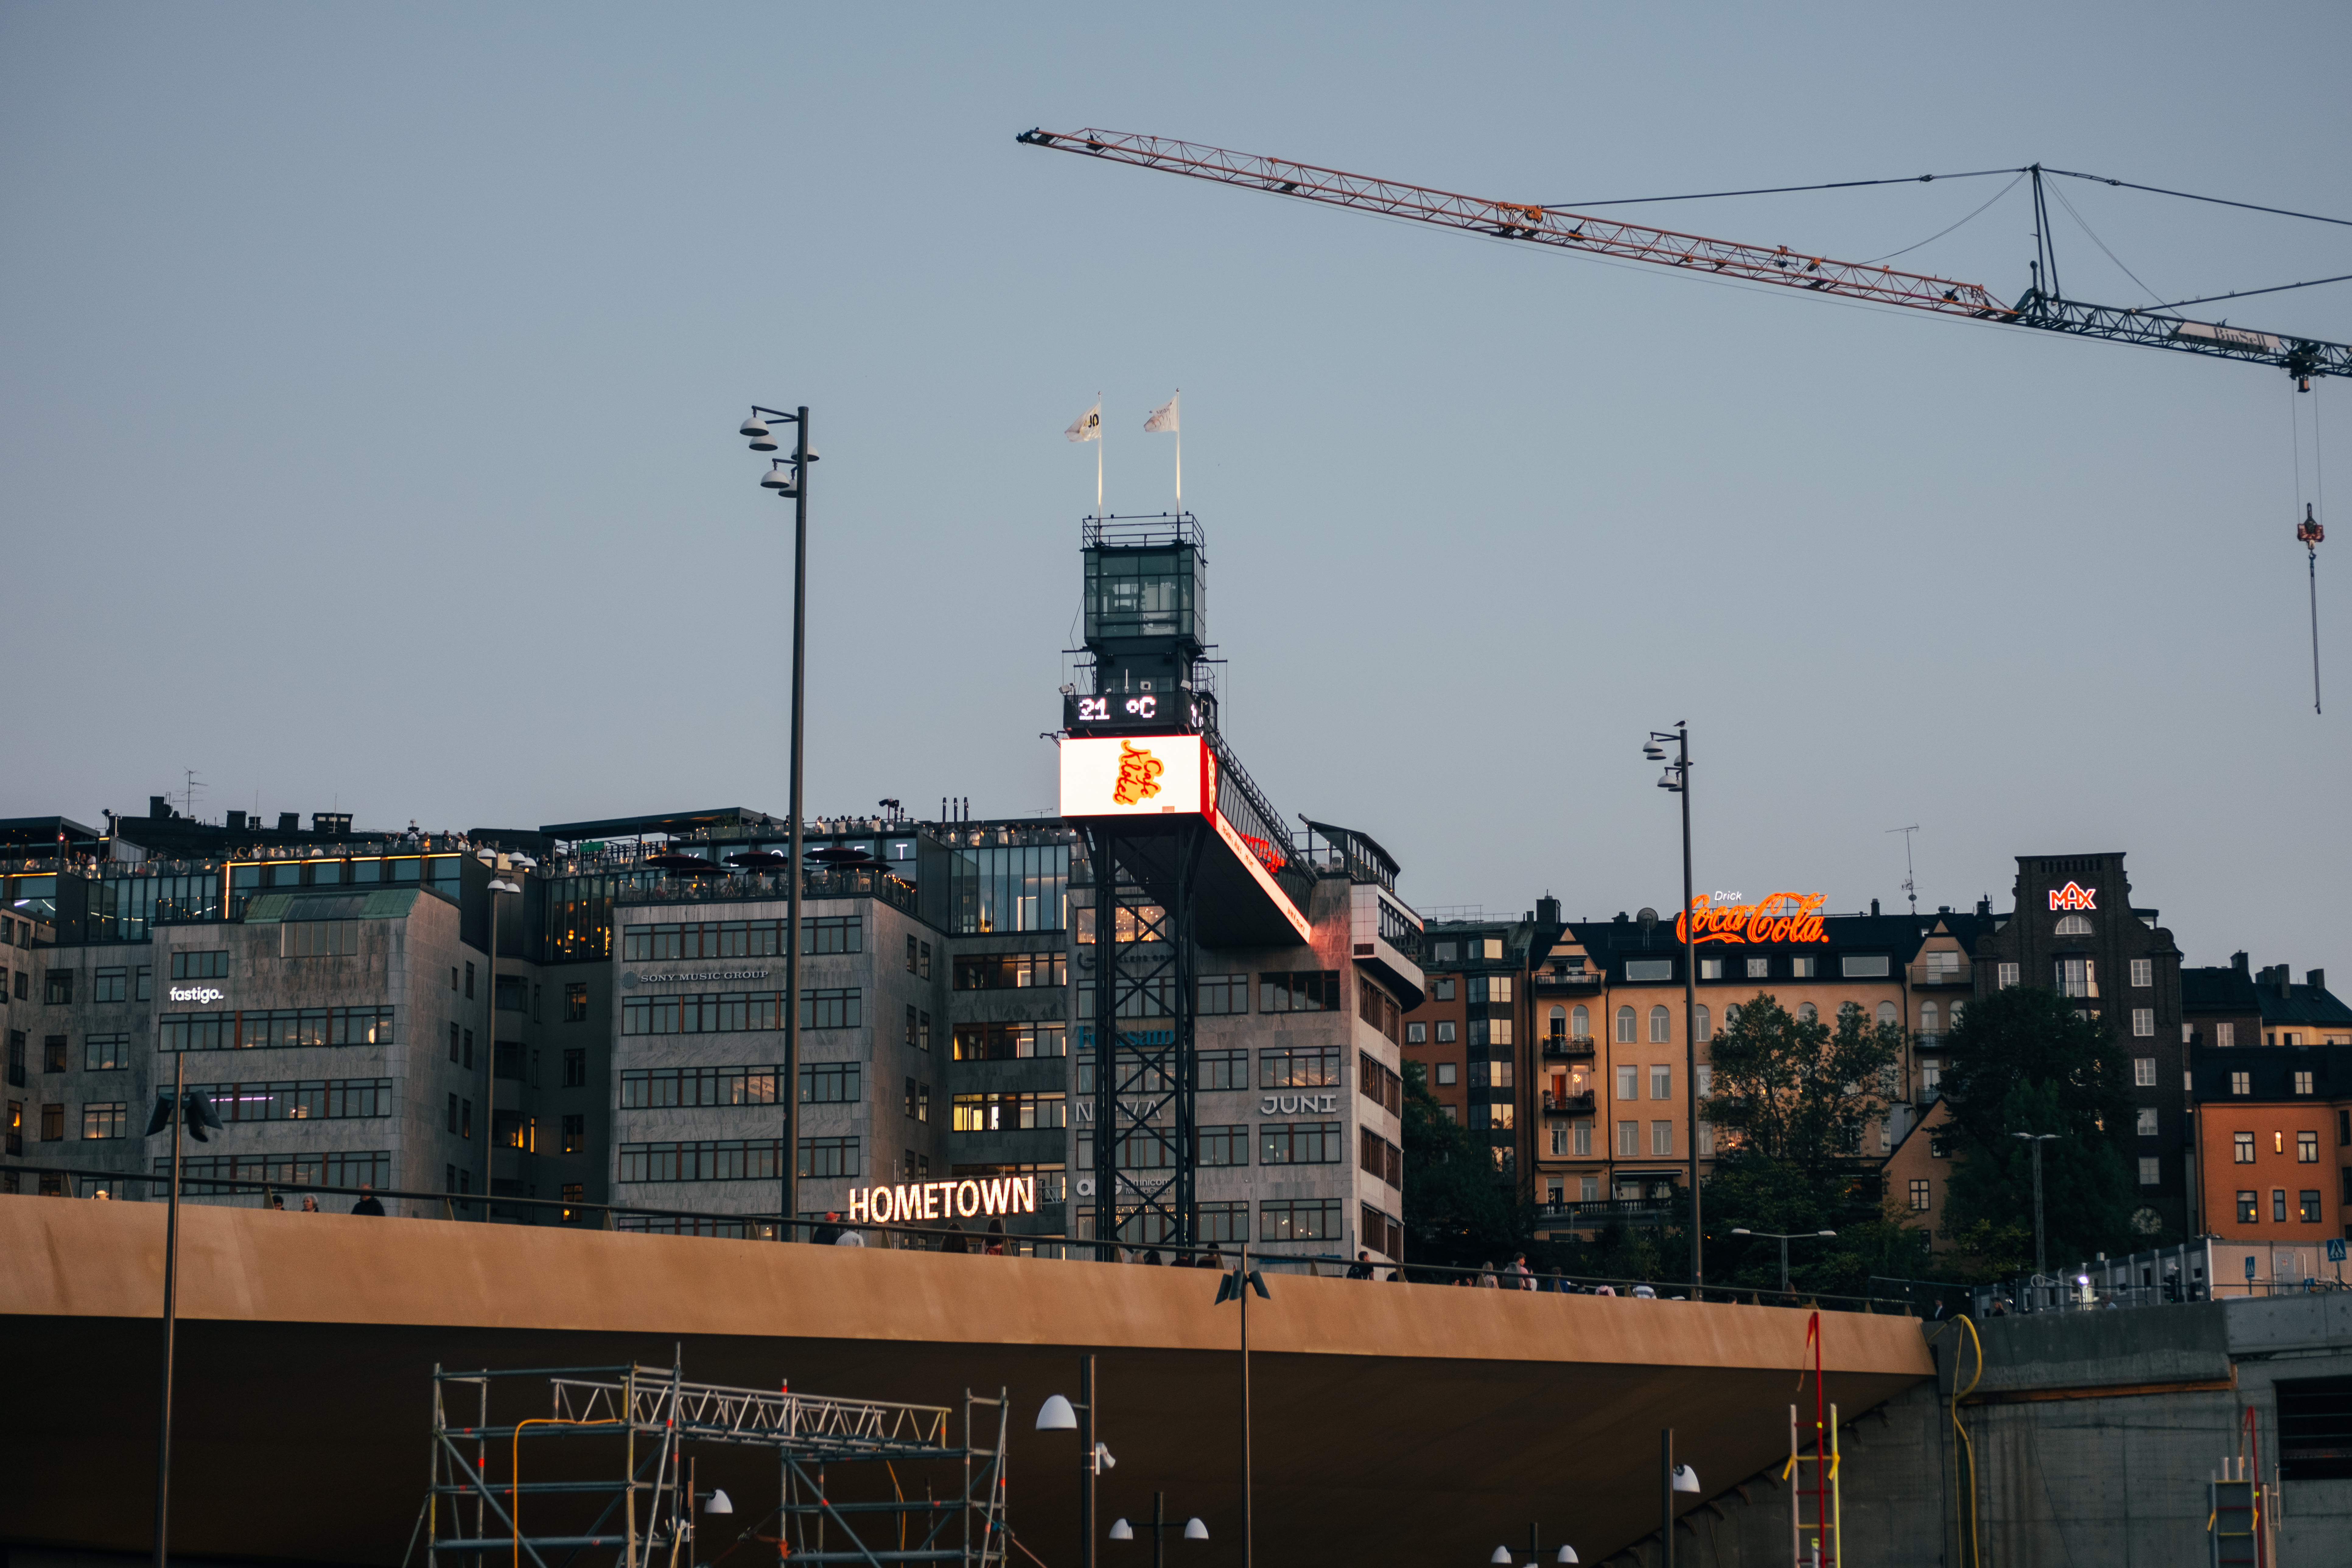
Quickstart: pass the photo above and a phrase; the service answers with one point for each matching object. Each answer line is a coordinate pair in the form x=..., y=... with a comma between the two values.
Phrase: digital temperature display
x=1132, y=712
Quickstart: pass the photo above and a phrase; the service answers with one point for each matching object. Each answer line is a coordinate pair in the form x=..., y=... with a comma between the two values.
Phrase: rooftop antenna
x=188, y=794
x=1910, y=887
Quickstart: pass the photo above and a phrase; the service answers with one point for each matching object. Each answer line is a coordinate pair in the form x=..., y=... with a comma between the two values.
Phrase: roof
x=673, y=823
x=2217, y=988
x=30, y=830
x=2311, y=1005
x=2272, y=1070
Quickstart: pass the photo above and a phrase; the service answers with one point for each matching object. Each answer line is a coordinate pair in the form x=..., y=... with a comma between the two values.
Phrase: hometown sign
x=905, y=1202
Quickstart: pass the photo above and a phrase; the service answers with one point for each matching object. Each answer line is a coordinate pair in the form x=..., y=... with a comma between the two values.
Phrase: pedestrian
x=1522, y=1279
x=310, y=1204
x=1604, y=1290
x=954, y=1240
x=1212, y=1258
x=1486, y=1279
x=1363, y=1267
x=368, y=1203
x=278, y=1202
x=850, y=1236
x=829, y=1232
x=995, y=1238
x=1645, y=1293
x=1152, y=1256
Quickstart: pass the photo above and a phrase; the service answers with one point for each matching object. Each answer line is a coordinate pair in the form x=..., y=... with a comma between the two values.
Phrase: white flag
x=1162, y=418
x=1086, y=426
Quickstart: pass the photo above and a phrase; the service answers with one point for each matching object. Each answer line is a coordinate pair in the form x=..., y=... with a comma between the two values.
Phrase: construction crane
x=2041, y=306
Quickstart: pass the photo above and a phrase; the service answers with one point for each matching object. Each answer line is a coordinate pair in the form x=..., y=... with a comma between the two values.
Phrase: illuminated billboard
x=1782, y=917
x=906, y=1203
x=1138, y=775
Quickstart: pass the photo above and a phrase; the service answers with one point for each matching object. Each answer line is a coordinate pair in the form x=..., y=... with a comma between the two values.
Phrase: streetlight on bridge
x=1783, y=1240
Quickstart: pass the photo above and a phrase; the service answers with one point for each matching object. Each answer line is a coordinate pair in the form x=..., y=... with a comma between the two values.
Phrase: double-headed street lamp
x=1676, y=778
x=1161, y=1523
x=1783, y=1240
x=788, y=478
x=2034, y=1141
x=1236, y=1287
x=1503, y=1558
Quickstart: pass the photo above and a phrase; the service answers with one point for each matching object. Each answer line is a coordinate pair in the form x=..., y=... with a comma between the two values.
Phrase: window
x=53, y=1123
x=464, y=1119
x=1221, y=1069
x=1012, y=972
x=1445, y=1032
x=1298, y=1219
x=2247, y=1208
x=1414, y=1034
x=1624, y=1025
x=1662, y=1083
x=2144, y=1072
x=1579, y=1023
x=2078, y=977
x=1448, y=1074
x=109, y=985
x=1662, y=1027
x=1559, y=1145
x=1629, y=1139
x=2146, y=1127
x=470, y=980
x=1008, y=1042
x=327, y=939
x=1227, y=994
x=714, y=1159
x=1300, y=991
x=828, y=1157
x=1441, y=989
x=1759, y=968
x=1309, y=1066
x=1706, y=1081
x=209, y=965
x=2143, y=973
x=1804, y=966
x=2008, y=976
x=1629, y=1083
x=573, y=1192
x=468, y=1037
x=2241, y=1083
x=1921, y=1197
x=53, y=1054
x=1223, y=1145
x=1662, y=1138
x=1379, y=1158
x=58, y=990
x=2306, y=1208
x=102, y=1053
x=910, y=955
x=1866, y=967
x=1640, y=969
x=834, y=933
x=1808, y=1013
x=2073, y=925
x=2303, y=1083
x=575, y=1068
x=1710, y=969
x=2143, y=1022
x=1704, y=1024
x=923, y=962
x=2242, y=1148
x=105, y=1119
x=1581, y=1138
x=2278, y=1205
x=830, y=1083
x=15, y=1128
x=2150, y=1174
x=576, y=1134
x=834, y=1008
x=1010, y=1111
x=1491, y=947
x=2306, y=1148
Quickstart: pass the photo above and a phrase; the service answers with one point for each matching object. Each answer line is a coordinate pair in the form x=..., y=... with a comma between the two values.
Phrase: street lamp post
x=1061, y=1415
x=2041, y=1256
x=1672, y=1478
x=1503, y=1558
x=1193, y=1529
x=500, y=865
x=789, y=478
x=1236, y=1287
x=1783, y=1240
x=1676, y=778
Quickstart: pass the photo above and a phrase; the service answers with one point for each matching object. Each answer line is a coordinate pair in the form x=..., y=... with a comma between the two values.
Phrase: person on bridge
x=368, y=1203
x=1486, y=1279
x=829, y=1232
x=1363, y=1267
x=850, y=1236
x=954, y=1240
x=1520, y=1278
x=995, y=1238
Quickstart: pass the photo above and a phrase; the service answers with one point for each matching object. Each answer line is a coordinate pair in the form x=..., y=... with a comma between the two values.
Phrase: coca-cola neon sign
x=2073, y=897
x=1778, y=917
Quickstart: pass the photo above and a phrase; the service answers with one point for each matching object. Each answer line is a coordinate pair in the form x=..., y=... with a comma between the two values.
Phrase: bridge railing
x=918, y=1238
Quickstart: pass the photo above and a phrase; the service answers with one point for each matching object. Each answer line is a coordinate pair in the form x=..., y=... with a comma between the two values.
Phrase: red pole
x=1821, y=1447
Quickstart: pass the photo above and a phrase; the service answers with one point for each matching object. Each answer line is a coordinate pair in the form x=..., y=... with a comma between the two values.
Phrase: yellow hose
x=1967, y=1448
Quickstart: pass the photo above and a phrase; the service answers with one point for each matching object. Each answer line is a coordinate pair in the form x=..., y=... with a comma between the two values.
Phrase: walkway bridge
x=1392, y=1421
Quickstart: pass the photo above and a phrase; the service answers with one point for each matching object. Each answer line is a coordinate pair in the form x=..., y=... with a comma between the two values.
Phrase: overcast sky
x=371, y=378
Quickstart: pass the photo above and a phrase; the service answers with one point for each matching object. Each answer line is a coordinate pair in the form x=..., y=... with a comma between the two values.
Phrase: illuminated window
x=2303, y=1083
x=2247, y=1212
x=2307, y=1207
x=1920, y=1196
x=2073, y=925
x=1710, y=969
x=2241, y=1083
x=2241, y=1145
x=2306, y=1148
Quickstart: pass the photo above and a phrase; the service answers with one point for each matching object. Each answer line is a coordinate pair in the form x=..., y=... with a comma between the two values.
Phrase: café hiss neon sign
x=1782, y=917
x=2073, y=897
x=905, y=1202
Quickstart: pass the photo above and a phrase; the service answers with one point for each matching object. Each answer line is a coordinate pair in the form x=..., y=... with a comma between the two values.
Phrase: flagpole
x=1101, y=436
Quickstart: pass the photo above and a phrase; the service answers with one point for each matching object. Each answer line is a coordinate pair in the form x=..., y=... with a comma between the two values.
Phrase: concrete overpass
x=1390, y=1420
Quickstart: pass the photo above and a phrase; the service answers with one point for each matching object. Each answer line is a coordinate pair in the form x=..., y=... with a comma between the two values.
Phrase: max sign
x=908, y=1202
x=2073, y=897
x=1781, y=917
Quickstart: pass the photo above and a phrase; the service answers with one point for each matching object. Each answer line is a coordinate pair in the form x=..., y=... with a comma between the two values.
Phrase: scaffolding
x=619, y=1489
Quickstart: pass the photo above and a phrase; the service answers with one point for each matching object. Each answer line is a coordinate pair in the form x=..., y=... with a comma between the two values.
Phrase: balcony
x=1942, y=974
x=1566, y=1047
x=1606, y=1211
x=1568, y=979
x=1568, y=1104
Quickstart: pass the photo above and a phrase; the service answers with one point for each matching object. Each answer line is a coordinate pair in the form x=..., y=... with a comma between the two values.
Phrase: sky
x=369, y=379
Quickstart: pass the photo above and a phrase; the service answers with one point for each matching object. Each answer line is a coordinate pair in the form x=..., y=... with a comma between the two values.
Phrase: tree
x=2087, y=1187
x=2027, y=1034
x=1796, y=1091
x=1454, y=1209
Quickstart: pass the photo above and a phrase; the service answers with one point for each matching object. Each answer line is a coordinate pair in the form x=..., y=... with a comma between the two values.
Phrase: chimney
x=158, y=809
x=290, y=822
x=2316, y=978
x=1984, y=908
x=2238, y=963
x=1548, y=910
x=237, y=822
x=1873, y=907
